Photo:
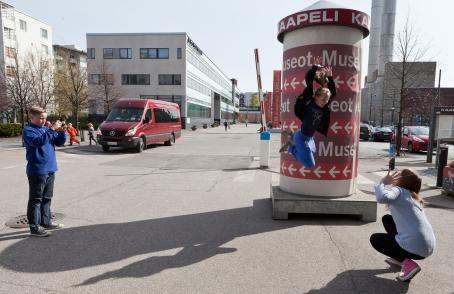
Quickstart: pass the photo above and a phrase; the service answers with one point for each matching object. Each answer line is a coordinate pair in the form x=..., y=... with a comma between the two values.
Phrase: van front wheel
x=171, y=140
x=105, y=148
x=140, y=145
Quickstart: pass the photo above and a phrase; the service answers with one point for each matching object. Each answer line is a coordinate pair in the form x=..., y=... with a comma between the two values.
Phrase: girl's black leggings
x=386, y=243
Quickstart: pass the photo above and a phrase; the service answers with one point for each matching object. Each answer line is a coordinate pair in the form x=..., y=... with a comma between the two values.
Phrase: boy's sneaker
x=54, y=226
x=393, y=262
x=287, y=133
x=409, y=270
x=39, y=233
x=285, y=146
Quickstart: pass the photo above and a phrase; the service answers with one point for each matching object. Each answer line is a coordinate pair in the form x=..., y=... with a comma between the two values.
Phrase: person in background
x=225, y=125
x=72, y=135
x=91, y=133
x=409, y=235
x=40, y=142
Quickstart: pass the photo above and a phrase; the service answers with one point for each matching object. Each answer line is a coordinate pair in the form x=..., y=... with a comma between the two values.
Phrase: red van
x=136, y=123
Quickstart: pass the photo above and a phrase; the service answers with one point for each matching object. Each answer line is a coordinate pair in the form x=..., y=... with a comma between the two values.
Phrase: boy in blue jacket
x=313, y=111
x=40, y=142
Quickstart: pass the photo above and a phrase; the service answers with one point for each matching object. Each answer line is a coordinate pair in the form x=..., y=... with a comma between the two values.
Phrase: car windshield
x=386, y=130
x=127, y=114
x=420, y=131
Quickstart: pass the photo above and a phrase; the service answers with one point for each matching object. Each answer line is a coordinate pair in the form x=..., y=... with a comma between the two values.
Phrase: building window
x=91, y=53
x=125, y=53
x=8, y=33
x=179, y=53
x=170, y=79
x=139, y=79
x=45, y=49
x=10, y=52
x=101, y=79
x=44, y=33
x=10, y=70
x=199, y=111
x=154, y=53
x=117, y=53
x=108, y=53
x=23, y=25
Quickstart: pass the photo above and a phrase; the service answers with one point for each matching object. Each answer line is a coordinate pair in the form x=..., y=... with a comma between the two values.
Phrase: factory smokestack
x=374, y=40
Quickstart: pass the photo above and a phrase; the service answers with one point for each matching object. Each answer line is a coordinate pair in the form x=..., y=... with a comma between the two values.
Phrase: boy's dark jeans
x=41, y=190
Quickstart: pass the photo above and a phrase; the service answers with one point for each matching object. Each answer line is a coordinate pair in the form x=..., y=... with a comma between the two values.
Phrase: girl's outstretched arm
x=385, y=195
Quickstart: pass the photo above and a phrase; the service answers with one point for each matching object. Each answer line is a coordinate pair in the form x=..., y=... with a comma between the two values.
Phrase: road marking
x=246, y=176
x=362, y=180
x=9, y=167
x=381, y=174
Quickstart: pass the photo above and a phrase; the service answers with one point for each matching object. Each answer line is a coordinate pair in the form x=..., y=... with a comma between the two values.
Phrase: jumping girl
x=314, y=113
x=409, y=235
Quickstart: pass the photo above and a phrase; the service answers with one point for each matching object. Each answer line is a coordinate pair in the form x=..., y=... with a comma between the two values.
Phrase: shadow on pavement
x=201, y=236
x=97, y=149
x=363, y=281
x=439, y=201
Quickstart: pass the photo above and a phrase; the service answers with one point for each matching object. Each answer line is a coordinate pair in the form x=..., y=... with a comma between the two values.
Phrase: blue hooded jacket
x=40, y=145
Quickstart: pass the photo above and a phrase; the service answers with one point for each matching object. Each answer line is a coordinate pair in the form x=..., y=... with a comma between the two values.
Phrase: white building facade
x=22, y=35
x=163, y=66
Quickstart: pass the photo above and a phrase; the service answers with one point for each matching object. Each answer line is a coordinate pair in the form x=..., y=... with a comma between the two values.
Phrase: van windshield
x=125, y=114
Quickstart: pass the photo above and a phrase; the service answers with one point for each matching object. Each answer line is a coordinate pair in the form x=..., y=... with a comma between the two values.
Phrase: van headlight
x=131, y=132
x=98, y=132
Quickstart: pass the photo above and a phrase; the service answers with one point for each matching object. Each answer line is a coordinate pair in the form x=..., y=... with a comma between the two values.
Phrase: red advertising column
x=276, y=109
x=268, y=99
x=335, y=35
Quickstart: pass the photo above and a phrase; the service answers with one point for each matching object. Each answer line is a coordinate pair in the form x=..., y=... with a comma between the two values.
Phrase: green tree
x=254, y=101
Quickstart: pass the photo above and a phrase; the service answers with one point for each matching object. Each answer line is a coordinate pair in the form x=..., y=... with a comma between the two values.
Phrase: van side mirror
x=146, y=120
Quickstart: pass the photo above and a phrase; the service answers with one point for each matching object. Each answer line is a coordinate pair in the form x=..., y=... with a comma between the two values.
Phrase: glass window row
x=194, y=85
x=134, y=79
x=198, y=111
x=126, y=53
x=207, y=71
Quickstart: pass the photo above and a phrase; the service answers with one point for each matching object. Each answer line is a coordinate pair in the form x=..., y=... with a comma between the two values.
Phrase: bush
x=10, y=130
x=205, y=126
x=194, y=127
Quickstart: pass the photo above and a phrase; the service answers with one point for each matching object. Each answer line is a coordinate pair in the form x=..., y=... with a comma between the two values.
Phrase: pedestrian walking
x=409, y=235
x=91, y=133
x=40, y=142
x=72, y=131
x=225, y=125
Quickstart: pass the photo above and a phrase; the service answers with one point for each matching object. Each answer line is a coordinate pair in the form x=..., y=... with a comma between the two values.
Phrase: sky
x=228, y=31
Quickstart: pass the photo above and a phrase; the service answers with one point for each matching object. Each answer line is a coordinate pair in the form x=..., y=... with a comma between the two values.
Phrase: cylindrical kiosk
x=334, y=33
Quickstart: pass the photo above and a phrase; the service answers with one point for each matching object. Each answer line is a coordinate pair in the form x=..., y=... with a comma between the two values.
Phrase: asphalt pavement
x=196, y=218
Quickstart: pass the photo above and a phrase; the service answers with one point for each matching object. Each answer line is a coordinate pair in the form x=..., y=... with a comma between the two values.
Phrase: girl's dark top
x=313, y=117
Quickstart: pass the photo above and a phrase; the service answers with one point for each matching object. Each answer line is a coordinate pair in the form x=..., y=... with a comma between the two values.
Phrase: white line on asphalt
x=381, y=174
x=362, y=180
x=246, y=176
x=9, y=167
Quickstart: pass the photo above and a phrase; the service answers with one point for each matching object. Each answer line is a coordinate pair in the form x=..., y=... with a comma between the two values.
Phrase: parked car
x=382, y=134
x=415, y=138
x=365, y=131
x=136, y=123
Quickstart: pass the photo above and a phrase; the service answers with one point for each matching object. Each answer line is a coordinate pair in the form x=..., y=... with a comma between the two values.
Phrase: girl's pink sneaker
x=393, y=262
x=409, y=270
